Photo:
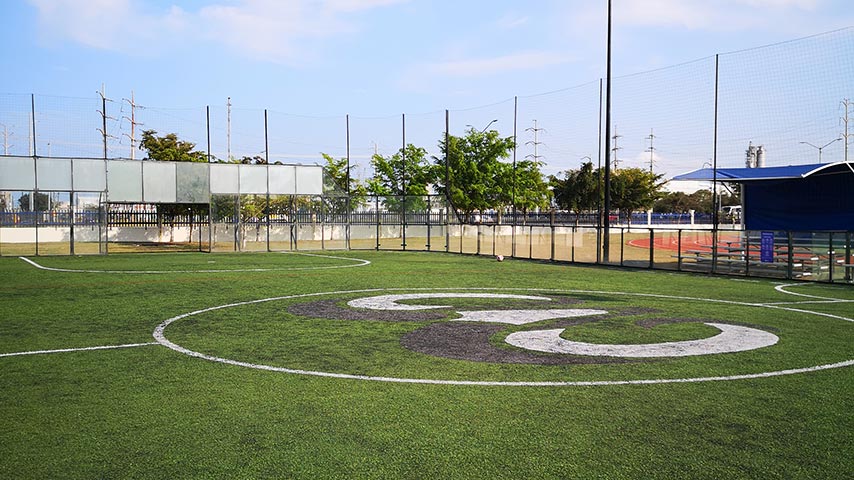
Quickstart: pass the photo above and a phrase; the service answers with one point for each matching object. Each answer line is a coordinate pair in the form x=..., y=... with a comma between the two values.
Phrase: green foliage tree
x=579, y=191
x=531, y=189
x=406, y=174
x=336, y=186
x=41, y=202
x=634, y=189
x=169, y=148
x=476, y=178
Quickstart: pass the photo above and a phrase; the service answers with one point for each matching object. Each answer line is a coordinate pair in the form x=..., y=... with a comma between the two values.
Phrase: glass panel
x=696, y=253
x=17, y=224
x=253, y=179
x=563, y=244
x=309, y=180
x=636, y=247
x=193, y=182
x=124, y=181
x=224, y=222
x=224, y=179
x=53, y=173
x=391, y=237
x=54, y=228
x=363, y=237
x=89, y=175
x=469, y=239
x=334, y=237
x=17, y=173
x=666, y=244
x=159, y=182
x=541, y=243
x=585, y=245
x=88, y=228
x=283, y=179
x=503, y=240
x=438, y=238
x=455, y=238
x=521, y=242
x=416, y=237
x=253, y=223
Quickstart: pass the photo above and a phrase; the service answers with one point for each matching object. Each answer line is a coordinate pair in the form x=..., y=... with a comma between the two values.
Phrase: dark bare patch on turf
x=470, y=341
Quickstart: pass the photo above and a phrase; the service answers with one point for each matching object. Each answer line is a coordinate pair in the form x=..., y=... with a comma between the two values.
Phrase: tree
x=634, y=189
x=579, y=190
x=170, y=148
x=476, y=178
x=405, y=174
x=337, y=184
x=531, y=190
x=41, y=203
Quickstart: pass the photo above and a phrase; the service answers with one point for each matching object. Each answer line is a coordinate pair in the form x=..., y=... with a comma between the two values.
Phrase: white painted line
x=523, y=317
x=161, y=338
x=733, y=338
x=389, y=302
x=360, y=263
x=782, y=289
x=82, y=349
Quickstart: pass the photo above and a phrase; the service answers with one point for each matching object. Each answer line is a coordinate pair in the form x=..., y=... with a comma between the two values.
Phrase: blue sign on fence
x=766, y=247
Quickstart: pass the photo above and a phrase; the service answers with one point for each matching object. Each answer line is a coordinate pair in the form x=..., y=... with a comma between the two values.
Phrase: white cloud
x=270, y=30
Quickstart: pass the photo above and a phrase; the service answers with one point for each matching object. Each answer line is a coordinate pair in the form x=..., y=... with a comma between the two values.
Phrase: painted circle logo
x=499, y=337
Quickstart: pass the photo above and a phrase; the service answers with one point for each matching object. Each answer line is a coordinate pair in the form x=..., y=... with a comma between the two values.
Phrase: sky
x=378, y=59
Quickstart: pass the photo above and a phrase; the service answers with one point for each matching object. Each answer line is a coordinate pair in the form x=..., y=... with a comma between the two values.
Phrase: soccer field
x=370, y=364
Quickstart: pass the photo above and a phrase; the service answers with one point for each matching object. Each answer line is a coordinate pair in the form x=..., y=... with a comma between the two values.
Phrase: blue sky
x=376, y=58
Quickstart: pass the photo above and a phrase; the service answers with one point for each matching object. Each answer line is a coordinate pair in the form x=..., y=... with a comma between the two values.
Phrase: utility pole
x=615, y=149
x=228, y=128
x=133, y=124
x=104, y=117
x=536, y=143
x=847, y=103
x=651, y=150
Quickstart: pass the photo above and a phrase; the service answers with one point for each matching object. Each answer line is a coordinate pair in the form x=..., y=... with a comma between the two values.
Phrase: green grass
x=151, y=412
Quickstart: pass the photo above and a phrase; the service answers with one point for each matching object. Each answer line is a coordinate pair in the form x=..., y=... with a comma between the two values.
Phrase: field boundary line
x=361, y=263
x=81, y=349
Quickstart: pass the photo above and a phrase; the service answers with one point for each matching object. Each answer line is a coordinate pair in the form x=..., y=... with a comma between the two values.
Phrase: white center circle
x=160, y=337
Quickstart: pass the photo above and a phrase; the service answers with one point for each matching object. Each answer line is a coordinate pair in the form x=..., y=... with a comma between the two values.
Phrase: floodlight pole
x=606, y=220
x=599, y=184
x=715, y=206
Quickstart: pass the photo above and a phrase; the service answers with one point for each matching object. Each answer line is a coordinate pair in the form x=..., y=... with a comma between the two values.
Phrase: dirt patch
x=467, y=341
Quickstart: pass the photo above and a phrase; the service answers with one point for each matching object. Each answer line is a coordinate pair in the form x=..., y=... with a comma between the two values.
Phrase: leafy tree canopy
x=475, y=178
x=170, y=148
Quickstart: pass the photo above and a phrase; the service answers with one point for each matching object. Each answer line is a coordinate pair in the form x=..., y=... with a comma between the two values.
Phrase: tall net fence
x=789, y=100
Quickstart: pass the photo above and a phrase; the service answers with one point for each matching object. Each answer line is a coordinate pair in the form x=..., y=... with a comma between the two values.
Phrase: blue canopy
x=765, y=173
x=795, y=198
